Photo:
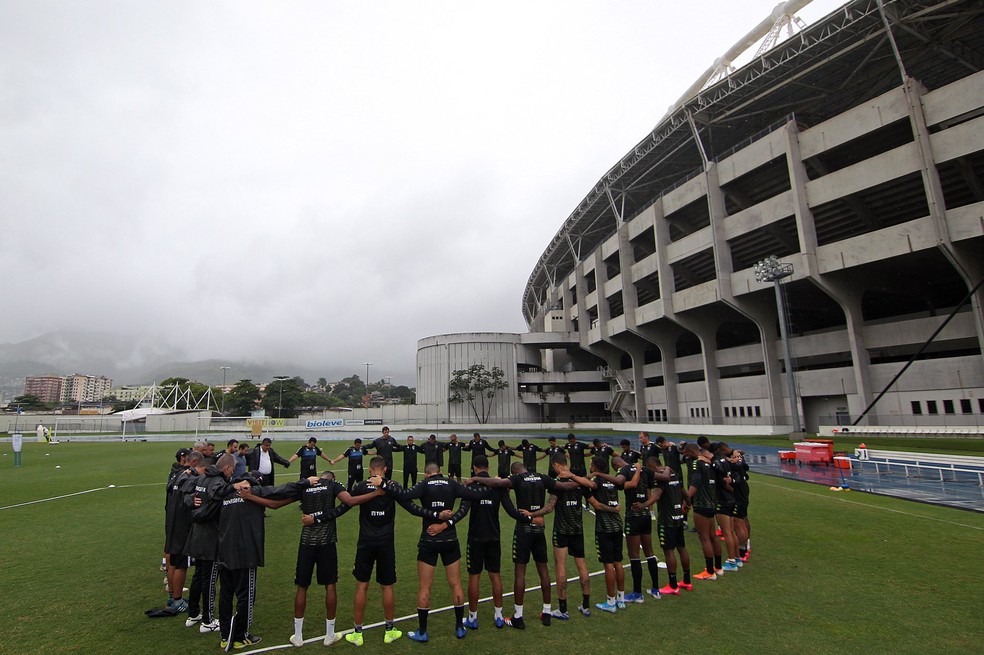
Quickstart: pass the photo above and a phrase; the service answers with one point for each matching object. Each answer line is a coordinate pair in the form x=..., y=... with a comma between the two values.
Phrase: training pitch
x=829, y=573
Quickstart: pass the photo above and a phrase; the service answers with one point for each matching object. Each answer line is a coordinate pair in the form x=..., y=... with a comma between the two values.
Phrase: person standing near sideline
x=356, y=456
x=454, y=448
x=384, y=445
x=263, y=458
x=409, y=451
x=309, y=454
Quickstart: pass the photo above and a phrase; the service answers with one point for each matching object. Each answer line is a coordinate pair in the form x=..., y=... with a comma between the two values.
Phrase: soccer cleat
x=739, y=562
x=730, y=566
x=585, y=611
x=620, y=604
x=331, y=639
x=393, y=634
x=176, y=606
x=248, y=640
x=744, y=558
x=471, y=624
x=655, y=593
x=516, y=622
x=719, y=572
x=557, y=614
x=163, y=565
x=211, y=626
x=704, y=575
x=460, y=633
x=545, y=619
x=686, y=586
x=666, y=591
x=607, y=607
x=499, y=622
x=354, y=638
x=420, y=637
x=224, y=644
x=192, y=620
x=295, y=641
x=633, y=597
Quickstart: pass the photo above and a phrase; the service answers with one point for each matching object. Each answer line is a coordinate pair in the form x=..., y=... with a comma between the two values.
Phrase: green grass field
x=830, y=573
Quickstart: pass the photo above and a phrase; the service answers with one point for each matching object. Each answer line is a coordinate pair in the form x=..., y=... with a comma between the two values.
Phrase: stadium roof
x=833, y=65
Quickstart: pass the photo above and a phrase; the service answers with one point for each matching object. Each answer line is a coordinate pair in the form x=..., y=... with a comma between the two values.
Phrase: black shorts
x=382, y=555
x=529, y=543
x=454, y=470
x=741, y=511
x=609, y=546
x=638, y=525
x=574, y=543
x=428, y=552
x=179, y=561
x=728, y=509
x=706, y=513
x=483, y=556
x=670, y=536
x=324, y=557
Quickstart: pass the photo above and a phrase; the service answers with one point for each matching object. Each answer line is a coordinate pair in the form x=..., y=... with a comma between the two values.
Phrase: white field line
x=79, y=493
x=884, y=509
x=401, y=618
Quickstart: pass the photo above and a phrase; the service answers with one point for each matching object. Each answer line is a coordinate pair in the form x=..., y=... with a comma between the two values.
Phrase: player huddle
x=215, y=519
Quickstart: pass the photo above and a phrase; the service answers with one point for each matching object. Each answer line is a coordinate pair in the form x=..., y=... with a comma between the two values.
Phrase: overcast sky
x=317, y=182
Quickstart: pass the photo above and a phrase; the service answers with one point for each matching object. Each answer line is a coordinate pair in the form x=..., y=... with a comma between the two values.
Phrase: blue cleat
x=460, y=633
x=421, y=637
x=471, y=624
x=499, y=622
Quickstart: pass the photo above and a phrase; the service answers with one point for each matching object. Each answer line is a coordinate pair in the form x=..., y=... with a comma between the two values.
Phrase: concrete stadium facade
x=854, y=151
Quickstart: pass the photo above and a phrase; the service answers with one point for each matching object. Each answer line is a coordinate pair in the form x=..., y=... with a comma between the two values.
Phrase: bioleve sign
x=325, y=423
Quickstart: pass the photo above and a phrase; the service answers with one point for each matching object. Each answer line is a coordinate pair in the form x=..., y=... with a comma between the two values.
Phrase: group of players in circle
x=215, y=510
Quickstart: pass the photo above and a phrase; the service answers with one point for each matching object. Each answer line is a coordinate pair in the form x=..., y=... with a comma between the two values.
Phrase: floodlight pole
x=772, y=270
x=224, y=369
x=280, y=401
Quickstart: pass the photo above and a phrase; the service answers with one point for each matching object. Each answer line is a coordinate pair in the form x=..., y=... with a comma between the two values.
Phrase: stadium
x=850, y=155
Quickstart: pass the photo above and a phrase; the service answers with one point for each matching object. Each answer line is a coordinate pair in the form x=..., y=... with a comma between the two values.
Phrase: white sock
x=298, y=629
x=498, y=613
x=329, y=627
x=546, y=608
x=611, y=600
x=519, y=612
x=474, y=615
x=620, y=596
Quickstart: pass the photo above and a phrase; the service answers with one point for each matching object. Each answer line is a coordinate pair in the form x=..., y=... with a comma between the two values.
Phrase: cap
x=182, y=452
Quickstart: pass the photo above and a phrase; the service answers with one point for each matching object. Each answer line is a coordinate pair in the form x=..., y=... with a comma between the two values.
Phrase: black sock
x=389, y=626
x=742, y=551
x=459, y=615
x=358, y=628
x=636, y=566
x=717, y=561
x=653, y=564
x=563, y=604
x=686, y=576
x=673, y=580
x=422, y=618
x=709, y=564
x=587, y=601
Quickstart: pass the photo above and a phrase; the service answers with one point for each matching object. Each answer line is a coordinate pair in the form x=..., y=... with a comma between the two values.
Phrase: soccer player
x=317, y=547
x=568, y=534
x=724, y=509
x=702, y=497
x=638, y=482
x=483, y=549
x=409, y=451
x=647, y=448
x=177, y=525
x=669, y=495
x=203, y=544
x=550, y=451
x=739, y=478
x=478, y=446
x=608, y=535
x=355, y=454
x=384, y=445
x=504, y=455
x=434, y=451
x=438, y=540
x=600, y=448
x=528, y=451
x=309, y=454
x=575, y=456
x=628, y=455
x=454, y=448
x=530, y=490
x=670, y=453
x=375, y=549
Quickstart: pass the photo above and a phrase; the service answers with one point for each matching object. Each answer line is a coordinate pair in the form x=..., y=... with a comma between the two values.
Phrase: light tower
x=772, y=270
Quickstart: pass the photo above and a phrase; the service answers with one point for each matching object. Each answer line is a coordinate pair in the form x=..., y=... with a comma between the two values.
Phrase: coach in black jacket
x=265, y=457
